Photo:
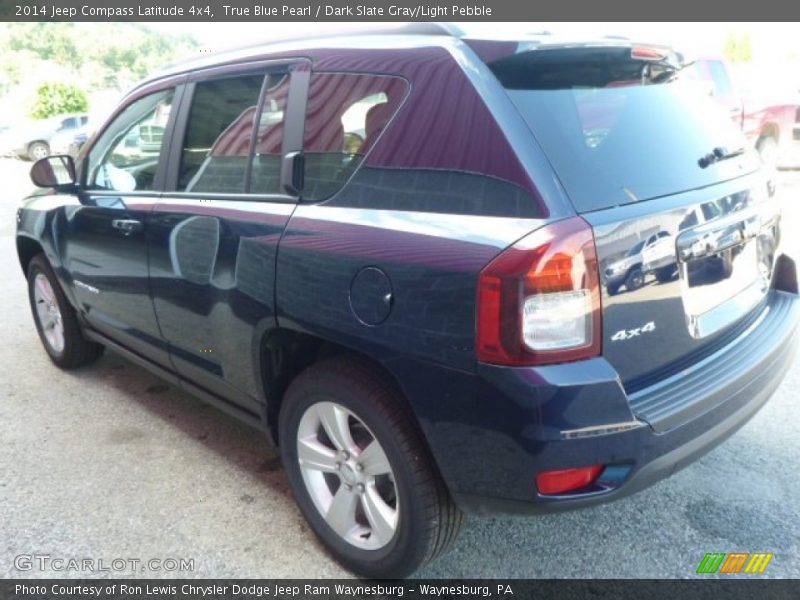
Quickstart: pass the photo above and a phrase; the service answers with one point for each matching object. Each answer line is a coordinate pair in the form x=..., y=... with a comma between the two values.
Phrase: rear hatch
x=685, y=222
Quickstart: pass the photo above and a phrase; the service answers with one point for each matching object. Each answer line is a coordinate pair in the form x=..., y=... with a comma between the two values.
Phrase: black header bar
x=395, y=10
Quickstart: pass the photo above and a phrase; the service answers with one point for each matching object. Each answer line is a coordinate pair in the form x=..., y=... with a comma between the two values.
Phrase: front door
x=104, y=239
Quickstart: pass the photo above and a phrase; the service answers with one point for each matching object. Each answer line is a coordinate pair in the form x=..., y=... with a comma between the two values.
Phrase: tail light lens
x=539, y=300
x=567, y=480
x=649, y=53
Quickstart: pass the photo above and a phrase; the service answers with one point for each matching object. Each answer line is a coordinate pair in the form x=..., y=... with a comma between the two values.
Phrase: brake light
x=539, y=300
x=648, y=53
x=567, y=480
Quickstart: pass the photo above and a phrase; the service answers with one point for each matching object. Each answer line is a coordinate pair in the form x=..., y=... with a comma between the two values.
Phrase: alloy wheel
x=347, y=475
x=39, y=151
x=48, y=313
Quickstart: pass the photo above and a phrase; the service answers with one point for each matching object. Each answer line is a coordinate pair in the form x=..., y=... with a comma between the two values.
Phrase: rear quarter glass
x=443, y=151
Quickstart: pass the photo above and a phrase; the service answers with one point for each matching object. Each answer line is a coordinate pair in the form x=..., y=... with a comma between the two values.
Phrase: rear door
x=213, y=237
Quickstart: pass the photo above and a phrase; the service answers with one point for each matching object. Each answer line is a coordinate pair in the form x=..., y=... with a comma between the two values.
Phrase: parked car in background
x=78, y=142
x=68, y=140
x=654, y=255
x=33, y=139
x=406, y=296
x=769, y=123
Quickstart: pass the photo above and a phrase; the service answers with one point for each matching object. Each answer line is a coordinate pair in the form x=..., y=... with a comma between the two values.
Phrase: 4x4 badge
x=626, y=334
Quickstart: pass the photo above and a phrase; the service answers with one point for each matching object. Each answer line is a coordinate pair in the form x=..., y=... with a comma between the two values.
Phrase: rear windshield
x=618, y=129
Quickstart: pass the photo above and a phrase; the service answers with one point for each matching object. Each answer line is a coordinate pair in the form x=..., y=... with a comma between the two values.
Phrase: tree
x=58, y=98
x=99, y=55
x=47, y=41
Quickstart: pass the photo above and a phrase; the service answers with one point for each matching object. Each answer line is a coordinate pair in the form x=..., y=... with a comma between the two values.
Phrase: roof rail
x=430, y=28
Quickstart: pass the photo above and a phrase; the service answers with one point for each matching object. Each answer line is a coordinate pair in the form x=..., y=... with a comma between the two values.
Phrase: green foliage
x=738, y=49
x=58, y=98
x=99, y=55
x=48, y=41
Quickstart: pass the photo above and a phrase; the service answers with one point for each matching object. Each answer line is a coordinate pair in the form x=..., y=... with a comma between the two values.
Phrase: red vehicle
x=769, y=124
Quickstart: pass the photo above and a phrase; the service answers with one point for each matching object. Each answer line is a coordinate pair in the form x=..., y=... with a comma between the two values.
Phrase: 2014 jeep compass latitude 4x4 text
x=389, y=253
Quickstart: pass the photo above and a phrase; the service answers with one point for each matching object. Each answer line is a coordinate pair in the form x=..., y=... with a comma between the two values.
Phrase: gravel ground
x=110, y=462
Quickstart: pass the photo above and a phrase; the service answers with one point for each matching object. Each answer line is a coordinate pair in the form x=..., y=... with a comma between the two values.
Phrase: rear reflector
x=567, y=480
x=539, y=300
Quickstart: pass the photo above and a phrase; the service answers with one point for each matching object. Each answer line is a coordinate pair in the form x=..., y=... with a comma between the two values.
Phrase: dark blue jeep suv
x=393, y=253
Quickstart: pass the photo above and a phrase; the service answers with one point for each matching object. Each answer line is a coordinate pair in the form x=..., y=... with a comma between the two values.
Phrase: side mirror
x=54, y=172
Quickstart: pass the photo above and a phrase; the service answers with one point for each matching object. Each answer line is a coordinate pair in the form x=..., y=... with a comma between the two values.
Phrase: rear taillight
x=649, y=53
x=539, y=300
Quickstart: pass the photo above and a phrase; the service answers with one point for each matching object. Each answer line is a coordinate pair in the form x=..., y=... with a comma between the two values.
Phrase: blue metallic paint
x=203, y=285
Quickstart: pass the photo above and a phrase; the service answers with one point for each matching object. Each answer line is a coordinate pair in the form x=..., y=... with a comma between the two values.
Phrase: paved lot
x=110, y=462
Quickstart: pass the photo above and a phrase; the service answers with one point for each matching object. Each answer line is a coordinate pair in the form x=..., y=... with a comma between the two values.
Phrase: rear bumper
x=492, y=433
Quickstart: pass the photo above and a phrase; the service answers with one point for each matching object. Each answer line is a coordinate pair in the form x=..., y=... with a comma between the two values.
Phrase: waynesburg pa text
x=260, y=591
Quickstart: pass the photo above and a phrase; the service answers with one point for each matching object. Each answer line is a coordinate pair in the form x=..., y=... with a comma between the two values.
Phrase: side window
x=125, y=157
x=722, y=82
x=710, y=211
x=219, y=134
x=346, y=114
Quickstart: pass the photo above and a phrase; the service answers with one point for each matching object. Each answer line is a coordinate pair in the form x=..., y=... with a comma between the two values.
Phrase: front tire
x=361, y=473
x=56, y=320
x=38, y=150
x=634, y=280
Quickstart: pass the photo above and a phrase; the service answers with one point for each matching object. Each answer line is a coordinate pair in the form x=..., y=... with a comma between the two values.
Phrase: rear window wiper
x=718, y=154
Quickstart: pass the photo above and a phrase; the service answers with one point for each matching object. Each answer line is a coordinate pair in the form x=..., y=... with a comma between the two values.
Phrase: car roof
x=409, y=35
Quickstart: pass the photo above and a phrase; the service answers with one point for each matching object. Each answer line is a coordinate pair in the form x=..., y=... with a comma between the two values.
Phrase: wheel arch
x=27, y=248
x=285, y=353
x=770, y=130
x=637, y=267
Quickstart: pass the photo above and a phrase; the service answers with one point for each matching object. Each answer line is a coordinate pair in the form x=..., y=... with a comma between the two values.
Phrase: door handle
x=127, y=226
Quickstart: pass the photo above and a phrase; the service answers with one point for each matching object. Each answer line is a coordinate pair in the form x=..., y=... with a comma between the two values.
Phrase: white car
x=33, y=139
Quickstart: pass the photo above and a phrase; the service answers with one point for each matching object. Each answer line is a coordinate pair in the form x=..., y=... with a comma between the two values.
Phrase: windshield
x=619, y=129
x=636, y=249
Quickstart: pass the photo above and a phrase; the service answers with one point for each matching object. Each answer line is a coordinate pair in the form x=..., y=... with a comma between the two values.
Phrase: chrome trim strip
x=596, y=430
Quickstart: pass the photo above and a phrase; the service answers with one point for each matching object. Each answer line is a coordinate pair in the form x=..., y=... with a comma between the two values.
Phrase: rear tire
x=665, y=274
x=56, y=320
x=342, y=403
